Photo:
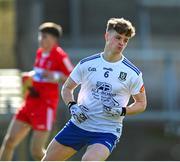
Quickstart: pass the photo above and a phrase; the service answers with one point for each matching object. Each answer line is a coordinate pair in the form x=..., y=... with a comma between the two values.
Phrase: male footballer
x=108, y=80
x=38, y=111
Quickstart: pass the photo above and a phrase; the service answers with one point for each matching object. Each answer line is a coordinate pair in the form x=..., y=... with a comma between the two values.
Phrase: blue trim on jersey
x=90, y=58
x=130, y=65
x=75, y=137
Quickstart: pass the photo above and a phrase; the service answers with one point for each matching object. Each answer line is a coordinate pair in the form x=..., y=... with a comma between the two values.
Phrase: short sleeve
x=64, y=63
x=76, y=74
x=137, y=85
x=66, y=66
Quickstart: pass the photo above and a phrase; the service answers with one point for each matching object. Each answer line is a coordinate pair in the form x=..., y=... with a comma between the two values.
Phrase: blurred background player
x=108, y=80
x=38, y=111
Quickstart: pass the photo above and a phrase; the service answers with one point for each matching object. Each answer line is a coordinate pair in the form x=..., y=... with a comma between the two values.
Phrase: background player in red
x=38, y=111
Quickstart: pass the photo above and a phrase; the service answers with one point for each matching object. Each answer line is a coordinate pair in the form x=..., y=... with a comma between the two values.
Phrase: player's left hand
x=114, y=111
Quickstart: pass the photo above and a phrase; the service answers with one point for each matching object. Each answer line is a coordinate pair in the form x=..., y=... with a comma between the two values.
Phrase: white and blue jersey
x=104, y=83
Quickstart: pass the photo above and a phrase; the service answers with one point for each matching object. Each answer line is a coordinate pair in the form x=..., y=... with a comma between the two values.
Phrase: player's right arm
x=70, y=84
x=67, y=90
x=78, y=112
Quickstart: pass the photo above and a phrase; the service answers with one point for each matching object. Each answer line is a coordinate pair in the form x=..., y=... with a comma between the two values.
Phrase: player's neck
x=112, y=57
x=48, y=48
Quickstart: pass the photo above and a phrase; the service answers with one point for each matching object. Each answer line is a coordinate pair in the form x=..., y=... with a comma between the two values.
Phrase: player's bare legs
x=38, y=143
x=15, y=134
x=58, y=152
x=96, y=152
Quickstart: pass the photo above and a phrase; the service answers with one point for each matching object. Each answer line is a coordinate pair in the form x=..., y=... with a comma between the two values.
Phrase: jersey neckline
x=111, y=63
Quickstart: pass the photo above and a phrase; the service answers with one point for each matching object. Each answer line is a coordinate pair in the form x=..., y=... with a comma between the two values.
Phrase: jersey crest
x=122, y=76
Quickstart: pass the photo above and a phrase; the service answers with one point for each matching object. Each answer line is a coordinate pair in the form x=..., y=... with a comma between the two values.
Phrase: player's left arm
x=139, y=104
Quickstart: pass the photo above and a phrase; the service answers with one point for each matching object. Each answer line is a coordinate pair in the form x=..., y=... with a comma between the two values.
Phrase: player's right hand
x=78, y=112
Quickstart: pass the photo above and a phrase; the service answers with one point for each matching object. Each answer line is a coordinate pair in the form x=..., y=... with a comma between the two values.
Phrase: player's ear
x=106, y=36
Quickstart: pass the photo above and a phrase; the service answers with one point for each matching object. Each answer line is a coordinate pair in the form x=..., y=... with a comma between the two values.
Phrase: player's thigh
x=96, y=152
x=17, y=131
x=39, y=139
x=58, y=152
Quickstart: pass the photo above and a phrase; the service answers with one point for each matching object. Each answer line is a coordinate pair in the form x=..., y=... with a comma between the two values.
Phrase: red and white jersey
x=56, y=62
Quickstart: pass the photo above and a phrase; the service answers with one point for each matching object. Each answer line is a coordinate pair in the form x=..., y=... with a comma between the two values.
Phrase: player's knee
x=37, y=153
x=89, y=158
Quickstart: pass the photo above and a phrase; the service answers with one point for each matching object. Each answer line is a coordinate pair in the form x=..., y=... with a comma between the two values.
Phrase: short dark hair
x=51, y=28
x=121, y=26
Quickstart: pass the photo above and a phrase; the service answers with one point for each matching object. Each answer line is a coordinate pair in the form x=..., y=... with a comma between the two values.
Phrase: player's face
x=116, y=42
x=45, y=40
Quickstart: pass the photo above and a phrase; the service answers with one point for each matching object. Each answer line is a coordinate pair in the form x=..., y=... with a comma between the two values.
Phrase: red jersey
x=56, y=61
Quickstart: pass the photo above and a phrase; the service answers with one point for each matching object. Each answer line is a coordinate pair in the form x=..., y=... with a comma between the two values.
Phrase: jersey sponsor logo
x=38, y=74
x=41, y=75
x=103, y=92
x=110, y=69
x=122, y=76
x=91, y=69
